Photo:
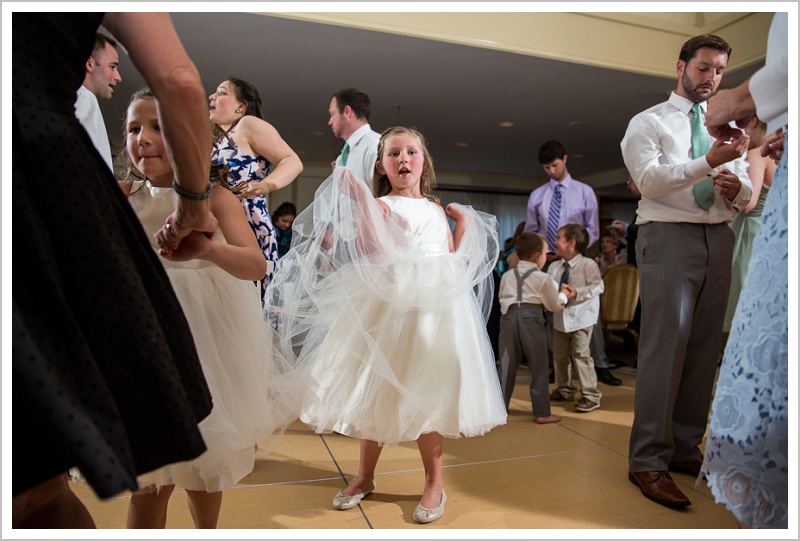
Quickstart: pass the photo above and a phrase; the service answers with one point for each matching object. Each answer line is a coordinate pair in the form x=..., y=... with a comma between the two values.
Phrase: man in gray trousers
x=690, y=186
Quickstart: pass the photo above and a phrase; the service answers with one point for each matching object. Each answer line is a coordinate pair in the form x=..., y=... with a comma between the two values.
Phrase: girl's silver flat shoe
x=342, y=502
x=423, y=515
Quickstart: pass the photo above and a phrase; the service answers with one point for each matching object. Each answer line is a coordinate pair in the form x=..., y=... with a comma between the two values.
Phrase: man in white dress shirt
x=101, y=77
x=349, y=110
x=683, y=250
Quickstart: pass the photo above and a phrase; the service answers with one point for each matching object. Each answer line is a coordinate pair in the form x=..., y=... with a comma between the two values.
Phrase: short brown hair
x=357, y=100
x=577, y=233
x=551, y=151
x=690, y=48
x=530, y=243
x=100, y=41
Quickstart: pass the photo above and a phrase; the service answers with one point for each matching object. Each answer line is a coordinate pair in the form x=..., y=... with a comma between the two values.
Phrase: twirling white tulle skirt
x=392, y=337
x=252, y=402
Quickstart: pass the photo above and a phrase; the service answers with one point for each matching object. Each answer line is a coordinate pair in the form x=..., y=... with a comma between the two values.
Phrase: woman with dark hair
x=252, y=149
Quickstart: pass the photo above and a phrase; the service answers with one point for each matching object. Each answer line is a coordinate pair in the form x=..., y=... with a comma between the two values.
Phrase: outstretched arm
x=774, y=147
x=157, y=52
x=353, y=195
x=730, y=105
x=240, y=255
x=264, y=140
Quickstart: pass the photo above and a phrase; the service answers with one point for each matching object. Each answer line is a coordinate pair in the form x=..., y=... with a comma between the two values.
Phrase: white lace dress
x=746, y=455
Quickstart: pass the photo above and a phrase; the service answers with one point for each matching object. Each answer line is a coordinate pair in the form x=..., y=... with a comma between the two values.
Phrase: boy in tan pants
x=573, y=326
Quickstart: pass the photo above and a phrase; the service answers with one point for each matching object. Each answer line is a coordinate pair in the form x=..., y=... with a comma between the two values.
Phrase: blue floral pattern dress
x=246, y=168
x=746, y=457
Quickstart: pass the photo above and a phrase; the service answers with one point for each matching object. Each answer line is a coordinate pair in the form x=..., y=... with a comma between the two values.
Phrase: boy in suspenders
x=524, y=293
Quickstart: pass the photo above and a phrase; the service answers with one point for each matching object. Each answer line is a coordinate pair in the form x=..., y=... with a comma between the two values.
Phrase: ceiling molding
x=607, y=40
x=686, y=24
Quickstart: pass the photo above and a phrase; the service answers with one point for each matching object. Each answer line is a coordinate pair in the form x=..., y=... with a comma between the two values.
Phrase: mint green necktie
x=701, y=142
x=345, y=154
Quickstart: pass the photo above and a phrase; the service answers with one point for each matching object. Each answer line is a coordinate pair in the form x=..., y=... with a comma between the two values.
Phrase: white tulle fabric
x=388, y=324
x=252, y=392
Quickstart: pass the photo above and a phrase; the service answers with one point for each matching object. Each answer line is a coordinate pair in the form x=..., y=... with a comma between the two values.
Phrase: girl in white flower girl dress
x=385, y=309
x=214, y=281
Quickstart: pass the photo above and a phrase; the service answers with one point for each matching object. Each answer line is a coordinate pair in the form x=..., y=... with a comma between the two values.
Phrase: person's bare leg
x=430, y=449
x=149, y=509
x=51, y=504
x=204, y=507
x=370, y=453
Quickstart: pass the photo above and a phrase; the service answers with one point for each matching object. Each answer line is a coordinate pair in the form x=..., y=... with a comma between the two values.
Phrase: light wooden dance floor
x=521, y=476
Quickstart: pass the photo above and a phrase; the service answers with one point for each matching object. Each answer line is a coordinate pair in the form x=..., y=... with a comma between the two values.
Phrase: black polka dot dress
x=105, y=374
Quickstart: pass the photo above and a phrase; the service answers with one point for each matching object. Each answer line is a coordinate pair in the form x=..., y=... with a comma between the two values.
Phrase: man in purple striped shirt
x=578, y=200
x=576, y=203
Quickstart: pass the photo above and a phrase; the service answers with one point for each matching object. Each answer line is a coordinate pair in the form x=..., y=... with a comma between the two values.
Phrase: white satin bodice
x=423, y=220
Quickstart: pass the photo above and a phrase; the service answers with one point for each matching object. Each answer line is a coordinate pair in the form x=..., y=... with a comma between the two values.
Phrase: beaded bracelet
x=191, y=195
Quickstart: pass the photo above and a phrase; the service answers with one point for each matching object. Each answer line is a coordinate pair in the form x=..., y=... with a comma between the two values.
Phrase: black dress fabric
x=105, y=374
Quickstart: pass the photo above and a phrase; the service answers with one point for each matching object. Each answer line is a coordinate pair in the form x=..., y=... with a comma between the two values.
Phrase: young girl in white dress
x=214, y=281
x=386, y=310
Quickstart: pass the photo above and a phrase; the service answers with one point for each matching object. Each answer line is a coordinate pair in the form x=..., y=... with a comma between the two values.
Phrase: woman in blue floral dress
x=258, y=159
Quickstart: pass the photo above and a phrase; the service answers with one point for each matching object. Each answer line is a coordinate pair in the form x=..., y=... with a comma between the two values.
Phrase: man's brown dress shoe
x=692, y=467
x=659, y=487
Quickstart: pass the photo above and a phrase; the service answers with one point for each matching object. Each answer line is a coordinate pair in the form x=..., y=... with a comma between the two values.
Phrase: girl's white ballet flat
x=423, y=515
x=342, y=502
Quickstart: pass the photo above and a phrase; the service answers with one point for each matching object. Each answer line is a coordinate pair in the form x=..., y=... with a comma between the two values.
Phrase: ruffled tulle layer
x=391, y=334
x=251, y=390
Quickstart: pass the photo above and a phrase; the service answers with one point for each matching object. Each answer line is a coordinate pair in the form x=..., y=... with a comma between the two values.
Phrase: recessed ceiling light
x=506, y=124
x=462, y=145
